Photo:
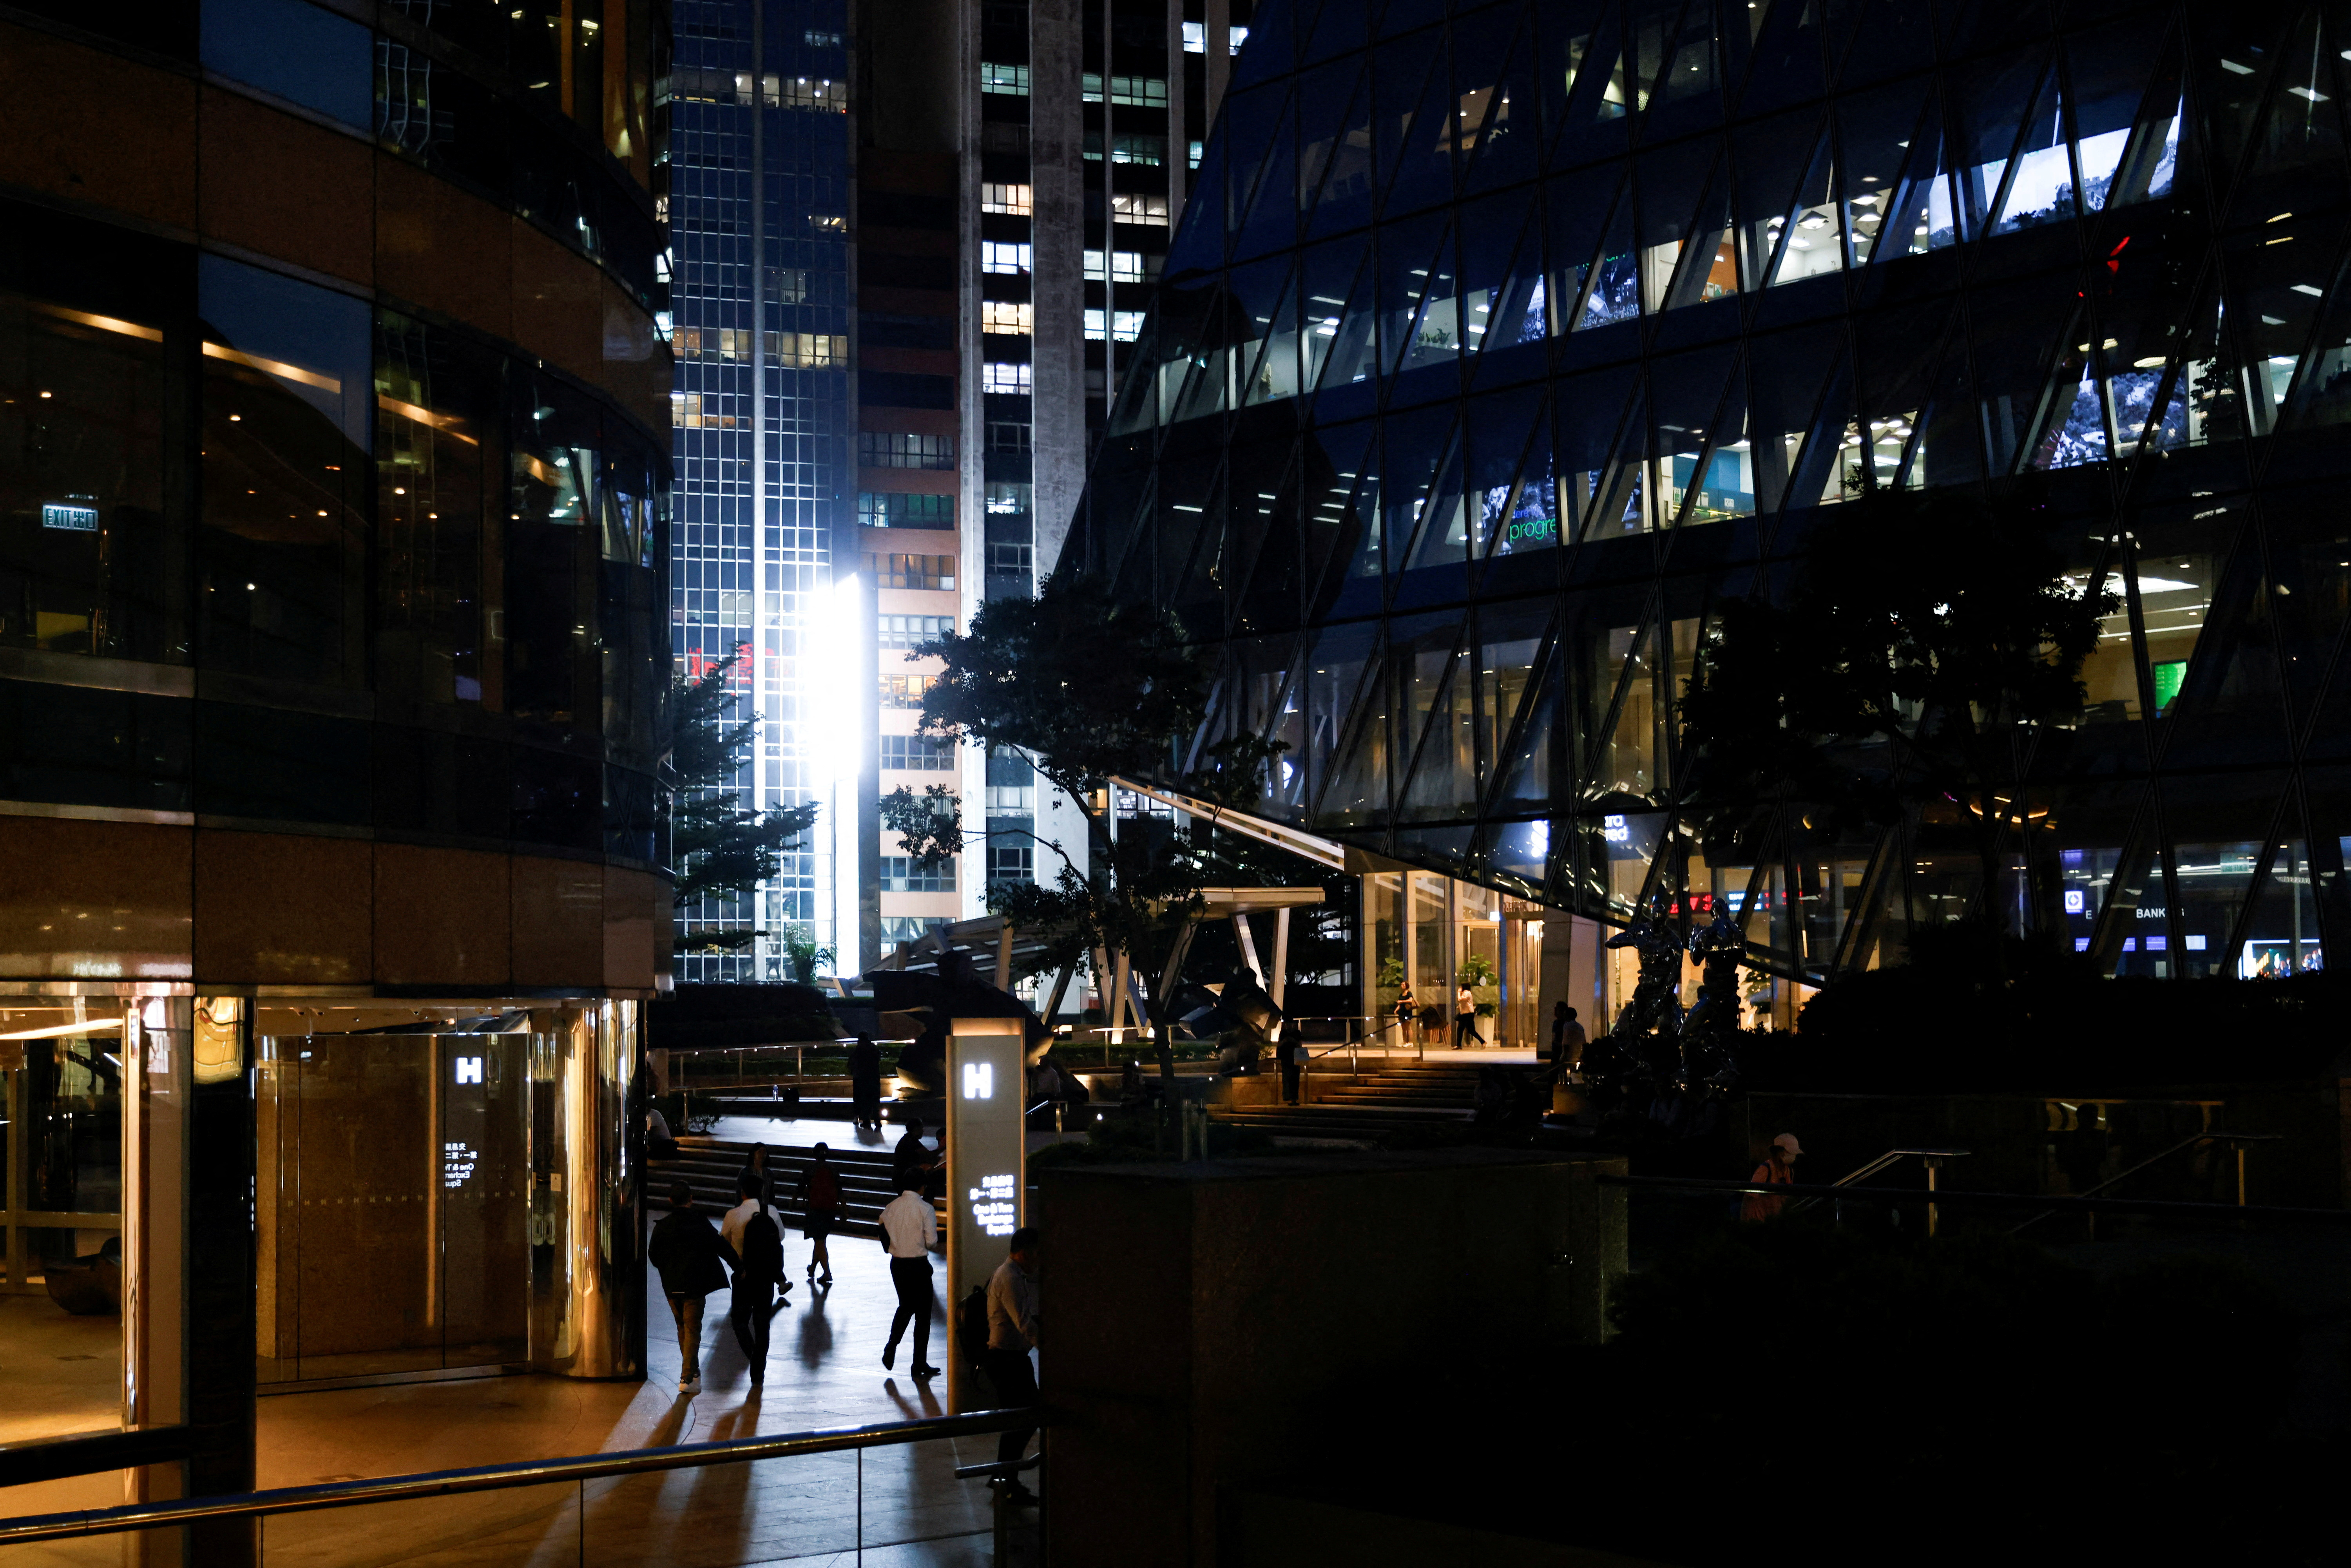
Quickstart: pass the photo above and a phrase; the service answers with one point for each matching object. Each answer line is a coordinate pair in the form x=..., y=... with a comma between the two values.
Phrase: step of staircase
x=710, y=1165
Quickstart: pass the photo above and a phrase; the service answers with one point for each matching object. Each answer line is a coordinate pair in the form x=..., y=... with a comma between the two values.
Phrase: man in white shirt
x=1012, y=1336
x=910, y=1227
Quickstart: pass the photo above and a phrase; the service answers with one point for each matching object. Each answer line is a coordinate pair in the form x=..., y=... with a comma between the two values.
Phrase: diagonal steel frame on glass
x=1745, y=263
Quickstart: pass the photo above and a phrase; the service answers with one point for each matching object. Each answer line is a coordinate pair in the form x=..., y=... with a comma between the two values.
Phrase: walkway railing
x=613, y=1523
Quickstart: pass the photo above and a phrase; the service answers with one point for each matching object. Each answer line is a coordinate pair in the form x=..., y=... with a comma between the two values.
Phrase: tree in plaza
x=1923, y=637
x=1090, y=689
x=717, y=847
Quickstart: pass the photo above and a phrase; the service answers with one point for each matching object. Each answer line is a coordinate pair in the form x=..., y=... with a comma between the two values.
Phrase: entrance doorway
x=393, y=1212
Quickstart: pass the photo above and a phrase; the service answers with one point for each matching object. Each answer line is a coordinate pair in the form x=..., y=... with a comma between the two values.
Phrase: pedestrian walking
x=687, y=1253
x=1465, y=1019
x=757, y=1245
x=909, y=1229
x=1778, y=1169
x=865, y=1084
x=755, y=1165
x=1012, y=1336
x=820, y=1200
x=912, y=1162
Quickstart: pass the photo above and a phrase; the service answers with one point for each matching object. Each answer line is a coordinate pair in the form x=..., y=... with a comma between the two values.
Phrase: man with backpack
x=692, y=1260
x=758, y=1251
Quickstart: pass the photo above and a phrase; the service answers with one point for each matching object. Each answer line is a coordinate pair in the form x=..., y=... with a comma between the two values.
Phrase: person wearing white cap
x=1778, y=1169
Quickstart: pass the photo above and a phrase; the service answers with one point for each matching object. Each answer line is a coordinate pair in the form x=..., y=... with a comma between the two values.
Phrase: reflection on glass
x=81, y=520
x=61, y=1219
x=2175, y=596
x=286, y=417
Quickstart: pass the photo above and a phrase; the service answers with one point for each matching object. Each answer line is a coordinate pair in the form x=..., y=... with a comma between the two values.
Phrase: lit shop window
x=995, y=197
x=1013, y=318
x=1002, y=256
x=1126, y=267
x=1130, y=325
x=995, y=78
x=1003, y=378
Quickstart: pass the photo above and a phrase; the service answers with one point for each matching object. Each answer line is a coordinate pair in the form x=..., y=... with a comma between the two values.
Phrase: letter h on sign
x=469, y=1070
x=979, y=1080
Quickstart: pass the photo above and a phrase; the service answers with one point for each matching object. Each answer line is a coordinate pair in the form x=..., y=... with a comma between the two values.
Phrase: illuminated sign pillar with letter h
x=986, y=1144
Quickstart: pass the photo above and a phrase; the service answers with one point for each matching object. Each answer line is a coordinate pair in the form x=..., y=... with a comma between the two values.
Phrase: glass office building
x=1502, y=343
x=334, y=518
x=761, y=413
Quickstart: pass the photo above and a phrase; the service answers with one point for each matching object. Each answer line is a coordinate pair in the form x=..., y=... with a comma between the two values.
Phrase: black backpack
x=971, y=1325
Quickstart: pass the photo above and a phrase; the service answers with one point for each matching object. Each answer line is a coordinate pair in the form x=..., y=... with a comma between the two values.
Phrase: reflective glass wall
x=207, y=464
x=1519, y=337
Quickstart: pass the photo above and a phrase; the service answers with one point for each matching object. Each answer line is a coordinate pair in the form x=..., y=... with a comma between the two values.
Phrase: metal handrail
x=2189, y=1142
x=501, y=1478
x=1988, y=1199
x=1934, y=1158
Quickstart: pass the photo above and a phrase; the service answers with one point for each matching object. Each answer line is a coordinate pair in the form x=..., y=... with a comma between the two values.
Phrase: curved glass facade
x=268, y=552
x=1503, y=343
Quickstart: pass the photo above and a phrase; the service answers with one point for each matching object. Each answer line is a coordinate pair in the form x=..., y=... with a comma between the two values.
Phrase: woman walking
x=820, y=1200
x=691, y=1259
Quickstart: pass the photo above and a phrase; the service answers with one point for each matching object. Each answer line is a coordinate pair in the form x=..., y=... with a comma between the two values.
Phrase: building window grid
x=904, y=873
x=917, y=754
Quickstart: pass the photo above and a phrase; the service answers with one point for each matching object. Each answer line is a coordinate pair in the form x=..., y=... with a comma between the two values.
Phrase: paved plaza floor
x=824, y=1369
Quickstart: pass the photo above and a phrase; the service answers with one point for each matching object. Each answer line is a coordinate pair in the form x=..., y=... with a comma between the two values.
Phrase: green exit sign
x=2169, y=674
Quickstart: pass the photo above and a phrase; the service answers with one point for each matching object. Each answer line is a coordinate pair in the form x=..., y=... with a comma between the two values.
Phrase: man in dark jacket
x=758, y=1269
x=865, y=1084
x=691, y=1259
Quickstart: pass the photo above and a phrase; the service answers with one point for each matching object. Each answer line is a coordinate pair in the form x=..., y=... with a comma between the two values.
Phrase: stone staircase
x=1361, y=1110
x=709, y=1165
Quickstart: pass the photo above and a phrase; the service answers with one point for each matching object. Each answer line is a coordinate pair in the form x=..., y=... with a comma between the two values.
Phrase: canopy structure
x=995, y=946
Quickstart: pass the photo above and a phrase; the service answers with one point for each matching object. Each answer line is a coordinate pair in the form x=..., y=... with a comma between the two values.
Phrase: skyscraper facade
x=1501, y=344
x=1020, y=170
x=762, y=418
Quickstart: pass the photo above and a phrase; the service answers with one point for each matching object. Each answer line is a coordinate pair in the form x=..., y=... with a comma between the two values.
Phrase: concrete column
x=1057, y=233
x=1221, y=55
x=219, y=1292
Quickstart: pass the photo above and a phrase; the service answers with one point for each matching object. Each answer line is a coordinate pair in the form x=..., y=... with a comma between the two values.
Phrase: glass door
x=61, y=1222
x=394, y=1177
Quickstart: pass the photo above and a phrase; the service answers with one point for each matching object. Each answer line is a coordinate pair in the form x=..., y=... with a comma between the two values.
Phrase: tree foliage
x=1925, y=634
x=1090, y=689
x=717, y=846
